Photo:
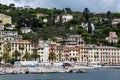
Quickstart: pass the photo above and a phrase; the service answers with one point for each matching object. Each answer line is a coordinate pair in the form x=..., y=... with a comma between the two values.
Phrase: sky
x=75, y=5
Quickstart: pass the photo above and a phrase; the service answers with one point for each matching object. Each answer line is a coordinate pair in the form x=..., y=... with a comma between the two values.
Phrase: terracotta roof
x=71, y=48
x=25, y=41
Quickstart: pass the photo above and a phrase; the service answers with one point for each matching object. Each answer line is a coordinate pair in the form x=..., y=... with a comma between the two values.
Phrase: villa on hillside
x=5, y=19
x=26, y=30
x=112, y=37
x=85, y=26
x=40, y=15
x=74, y=40
x=115, y=22
x=65, y=18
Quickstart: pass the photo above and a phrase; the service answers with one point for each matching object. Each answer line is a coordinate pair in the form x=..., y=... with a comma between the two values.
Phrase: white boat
x=95, y=64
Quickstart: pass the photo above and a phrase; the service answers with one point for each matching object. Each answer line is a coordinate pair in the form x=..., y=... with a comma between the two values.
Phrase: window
x=15, y=45
x=73, y=54
x=12, y=45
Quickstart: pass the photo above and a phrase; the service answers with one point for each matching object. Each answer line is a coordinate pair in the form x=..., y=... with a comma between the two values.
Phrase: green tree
x=35, y=56
x=52, y=56
x=16, y=54
x=104, y=42
x=117, y=15
x=7, y=47
x=5, y=57
x=53, y=39
x=74, y=21
x=26, y=56
x=86, y=15
x=68, y=10
x=87, y=37
x=0, y=59
x=89, y=27
x=118, y=24
x=80, y=30
x=109, y=16
x=0, y=21
x=11, y=60
x=12, y=5
x=7, y=25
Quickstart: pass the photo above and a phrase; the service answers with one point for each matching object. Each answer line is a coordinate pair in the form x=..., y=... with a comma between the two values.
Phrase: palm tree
x=5, y=56
x=52, y=56
x=7, y=47
x=16, y=54
x=26, y=56
x=35, y=56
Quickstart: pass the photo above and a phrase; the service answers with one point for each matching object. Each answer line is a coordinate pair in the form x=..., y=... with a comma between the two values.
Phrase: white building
x=43, y=51
x=26, y=30
x=12, y=27
x=65, y=18
x=8, y=35
x=45, y=20
x=85, y=26
x=5, y=19
x=115, y=22
x=75, y=40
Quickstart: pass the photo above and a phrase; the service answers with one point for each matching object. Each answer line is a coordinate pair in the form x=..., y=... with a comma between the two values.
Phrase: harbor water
x=92, y=74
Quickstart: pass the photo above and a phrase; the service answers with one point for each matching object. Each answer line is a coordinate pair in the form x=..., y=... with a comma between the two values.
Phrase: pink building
x=112, y=37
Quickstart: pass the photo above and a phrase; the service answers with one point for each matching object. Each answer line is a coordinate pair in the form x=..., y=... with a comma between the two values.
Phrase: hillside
x=24, y=17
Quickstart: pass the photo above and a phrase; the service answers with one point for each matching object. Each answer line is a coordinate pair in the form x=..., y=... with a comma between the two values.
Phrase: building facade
x=102, y=54
x=5, y=19
x=113, y=38
x=64, y=18
x=75, y=40
x=71, y=53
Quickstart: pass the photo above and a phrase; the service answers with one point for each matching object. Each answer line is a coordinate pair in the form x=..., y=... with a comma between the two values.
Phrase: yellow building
x=15, y=43
x=22, y=47
x=102, y=54
x=5, y=19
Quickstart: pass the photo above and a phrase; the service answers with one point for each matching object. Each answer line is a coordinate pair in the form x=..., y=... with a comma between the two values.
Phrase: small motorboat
x=76, y=71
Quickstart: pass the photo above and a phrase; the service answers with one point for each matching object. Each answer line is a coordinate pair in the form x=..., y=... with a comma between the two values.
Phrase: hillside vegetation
x=28, y=17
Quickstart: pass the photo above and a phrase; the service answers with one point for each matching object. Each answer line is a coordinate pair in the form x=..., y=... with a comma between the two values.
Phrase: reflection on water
x=90, y=75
